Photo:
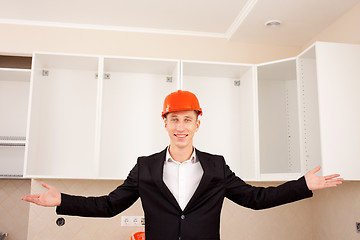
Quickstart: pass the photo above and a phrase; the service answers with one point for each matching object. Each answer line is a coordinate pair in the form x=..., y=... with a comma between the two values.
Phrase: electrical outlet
x=131, y=221
x=358, y=227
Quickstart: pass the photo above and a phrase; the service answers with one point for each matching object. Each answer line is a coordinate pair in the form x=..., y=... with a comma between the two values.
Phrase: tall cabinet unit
x=14, y=97
x=227, y=95
x=331, y=135
x=279, y=139
x=133, y=92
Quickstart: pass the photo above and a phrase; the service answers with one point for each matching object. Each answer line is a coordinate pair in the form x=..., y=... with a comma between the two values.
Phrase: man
x=181, y=188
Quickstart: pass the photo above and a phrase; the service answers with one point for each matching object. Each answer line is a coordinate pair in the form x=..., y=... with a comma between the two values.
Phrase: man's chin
x=180, y=145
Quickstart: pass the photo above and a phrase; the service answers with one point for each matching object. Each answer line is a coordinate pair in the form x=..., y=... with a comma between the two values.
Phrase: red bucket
x=138, y=236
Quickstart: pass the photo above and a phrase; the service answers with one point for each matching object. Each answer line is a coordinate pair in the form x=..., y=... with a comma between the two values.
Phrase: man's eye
x=173, y=120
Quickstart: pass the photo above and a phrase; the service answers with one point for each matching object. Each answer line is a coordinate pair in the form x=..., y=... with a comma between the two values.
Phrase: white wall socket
x=131, y=221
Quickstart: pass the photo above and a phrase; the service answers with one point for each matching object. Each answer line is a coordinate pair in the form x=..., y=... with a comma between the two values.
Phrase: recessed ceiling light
x=273, y=23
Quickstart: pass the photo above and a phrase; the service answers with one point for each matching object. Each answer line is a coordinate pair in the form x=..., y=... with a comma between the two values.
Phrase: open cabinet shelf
x=226, y=94
x=131, y=124
x=279, y=138
x=14, y=96
x=63, y=116
x=330, y=136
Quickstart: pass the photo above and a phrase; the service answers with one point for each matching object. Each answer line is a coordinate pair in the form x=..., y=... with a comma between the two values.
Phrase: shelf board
x=277, y=71
x=70, y=62
x=12, y=176
x=11, y=141
x=279, y=176
x=17, y=75
x=214, y=69
x=134, y=65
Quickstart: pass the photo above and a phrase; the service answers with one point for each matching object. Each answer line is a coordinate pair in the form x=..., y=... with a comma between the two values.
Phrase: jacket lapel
x=205, y=180
x=156, y=168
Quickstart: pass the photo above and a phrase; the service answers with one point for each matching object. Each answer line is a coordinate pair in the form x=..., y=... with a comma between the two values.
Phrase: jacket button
x=182, y=217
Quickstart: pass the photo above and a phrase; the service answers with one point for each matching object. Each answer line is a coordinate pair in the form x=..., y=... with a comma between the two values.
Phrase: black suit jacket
x=164, y=219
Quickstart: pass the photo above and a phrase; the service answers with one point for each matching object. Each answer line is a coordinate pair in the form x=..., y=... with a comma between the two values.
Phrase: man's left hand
x=315, y=182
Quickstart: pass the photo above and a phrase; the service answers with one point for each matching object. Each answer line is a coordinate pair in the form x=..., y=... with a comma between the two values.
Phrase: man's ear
x=197, y=124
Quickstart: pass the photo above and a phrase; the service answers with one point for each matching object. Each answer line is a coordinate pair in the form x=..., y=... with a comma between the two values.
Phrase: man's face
x=181, y=127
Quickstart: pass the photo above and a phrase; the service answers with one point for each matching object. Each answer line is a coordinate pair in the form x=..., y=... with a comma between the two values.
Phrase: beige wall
x=42, y=221
x=346, y=29
x=14, y=213
x=335, y=212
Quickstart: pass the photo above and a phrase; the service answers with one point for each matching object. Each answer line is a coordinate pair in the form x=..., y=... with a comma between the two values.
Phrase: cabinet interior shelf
x=15, y=75
x=11, y=175
x=12, y=141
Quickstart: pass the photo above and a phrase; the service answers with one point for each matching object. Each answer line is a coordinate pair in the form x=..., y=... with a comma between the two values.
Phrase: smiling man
x=181, y=188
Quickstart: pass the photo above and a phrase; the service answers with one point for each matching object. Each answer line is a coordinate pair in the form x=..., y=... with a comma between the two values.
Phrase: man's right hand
x=51, y=198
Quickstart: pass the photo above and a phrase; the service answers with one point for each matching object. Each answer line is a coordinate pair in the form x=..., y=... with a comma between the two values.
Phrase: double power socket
x=131, y=221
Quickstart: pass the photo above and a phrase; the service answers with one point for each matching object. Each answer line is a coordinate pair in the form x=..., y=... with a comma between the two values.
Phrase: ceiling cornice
x=250, y=4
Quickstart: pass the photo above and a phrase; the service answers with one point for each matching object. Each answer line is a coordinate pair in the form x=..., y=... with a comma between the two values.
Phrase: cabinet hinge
x=106, y=75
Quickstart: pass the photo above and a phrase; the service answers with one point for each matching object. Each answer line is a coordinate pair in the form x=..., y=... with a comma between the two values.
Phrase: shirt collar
x=192, y=159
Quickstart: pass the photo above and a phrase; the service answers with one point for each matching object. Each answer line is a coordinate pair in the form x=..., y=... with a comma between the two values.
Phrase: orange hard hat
x=138, y=236
x=180, y=101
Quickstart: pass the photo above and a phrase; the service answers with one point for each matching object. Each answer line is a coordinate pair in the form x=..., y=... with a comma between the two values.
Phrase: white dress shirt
x=182, y=179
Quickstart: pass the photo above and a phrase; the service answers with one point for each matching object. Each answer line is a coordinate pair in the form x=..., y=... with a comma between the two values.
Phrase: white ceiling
x=235, y=20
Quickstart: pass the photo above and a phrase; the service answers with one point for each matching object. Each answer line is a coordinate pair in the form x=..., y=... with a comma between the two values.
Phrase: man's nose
x=180, y=125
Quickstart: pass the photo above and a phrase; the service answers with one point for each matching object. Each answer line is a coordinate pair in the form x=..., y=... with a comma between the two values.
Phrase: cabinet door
x=14, y=97
x=132, y=99
x=339, y=108
x=226, y=94
x=279, y=139
x=63, y=116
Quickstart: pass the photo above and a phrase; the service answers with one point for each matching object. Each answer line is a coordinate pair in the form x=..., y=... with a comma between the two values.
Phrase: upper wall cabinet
x=91, y=116
x=63, y=115
x=308, y=113
x=14, y=96
x=329, y=76
x=226, y=95
x=133, y=91
x=279, y=141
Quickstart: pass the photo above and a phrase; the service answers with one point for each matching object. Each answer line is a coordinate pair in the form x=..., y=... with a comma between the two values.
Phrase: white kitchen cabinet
x=330, y=108
x=132, y=100
x=279, y=139
x=92, y=116
x=63, y=116
x=227, y=96
x=14, y=96
x=309, y=113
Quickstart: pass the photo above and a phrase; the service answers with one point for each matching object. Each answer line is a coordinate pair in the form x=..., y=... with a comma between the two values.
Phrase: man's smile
x=181, y=135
